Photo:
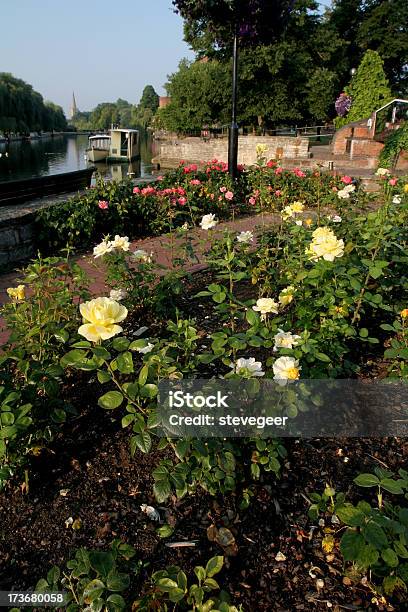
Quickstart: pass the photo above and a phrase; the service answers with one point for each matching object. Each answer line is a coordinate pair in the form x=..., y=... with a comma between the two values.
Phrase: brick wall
x=195, y=150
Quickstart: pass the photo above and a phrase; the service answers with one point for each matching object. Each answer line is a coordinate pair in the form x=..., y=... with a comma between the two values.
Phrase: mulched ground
x=104, y=486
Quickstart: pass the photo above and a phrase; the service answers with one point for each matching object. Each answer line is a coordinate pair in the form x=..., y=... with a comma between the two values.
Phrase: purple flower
x=342, y=104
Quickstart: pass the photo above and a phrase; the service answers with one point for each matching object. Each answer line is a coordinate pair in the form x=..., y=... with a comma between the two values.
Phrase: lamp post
x=233, y=132
x=353, y=72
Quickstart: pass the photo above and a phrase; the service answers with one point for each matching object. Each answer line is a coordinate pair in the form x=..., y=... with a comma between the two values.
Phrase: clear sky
x=101, y=49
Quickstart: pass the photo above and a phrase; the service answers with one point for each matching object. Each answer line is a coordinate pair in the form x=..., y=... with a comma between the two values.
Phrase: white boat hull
x=96, y=155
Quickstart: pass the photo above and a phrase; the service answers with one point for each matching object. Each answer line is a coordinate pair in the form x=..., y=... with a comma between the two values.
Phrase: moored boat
x=124, y=145
x=98, y=149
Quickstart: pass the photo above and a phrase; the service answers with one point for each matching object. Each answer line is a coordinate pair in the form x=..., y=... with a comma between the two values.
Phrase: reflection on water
x=45, y=156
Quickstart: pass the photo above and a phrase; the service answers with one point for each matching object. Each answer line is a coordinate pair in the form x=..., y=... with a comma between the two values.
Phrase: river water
x=66, y=153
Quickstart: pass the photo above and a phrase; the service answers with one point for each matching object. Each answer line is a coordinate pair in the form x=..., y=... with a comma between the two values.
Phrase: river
x=66, y=153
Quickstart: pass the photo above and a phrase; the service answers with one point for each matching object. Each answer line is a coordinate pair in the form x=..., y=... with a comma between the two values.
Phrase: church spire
x=74, y=109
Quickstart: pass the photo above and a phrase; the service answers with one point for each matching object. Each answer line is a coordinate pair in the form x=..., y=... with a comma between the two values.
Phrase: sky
x=100, y=49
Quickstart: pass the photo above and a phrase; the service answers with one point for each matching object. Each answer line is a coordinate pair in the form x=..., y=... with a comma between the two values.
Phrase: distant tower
x=74, y=109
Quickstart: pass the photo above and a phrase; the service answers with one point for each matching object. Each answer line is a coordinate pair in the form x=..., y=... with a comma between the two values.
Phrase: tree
x=149, y=99
x=385, y=29
x=369, y=88
x=23, y=110
x=379, y=25
x=321, y=89
x=199, y=92
x=230, y=21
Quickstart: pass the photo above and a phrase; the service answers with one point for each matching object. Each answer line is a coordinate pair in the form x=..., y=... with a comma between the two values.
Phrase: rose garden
x=279, y=285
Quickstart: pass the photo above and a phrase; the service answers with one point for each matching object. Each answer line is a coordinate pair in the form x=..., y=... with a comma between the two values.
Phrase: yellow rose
x=101, y=316
x=297, y=207
x=286, y=295
x=404, y=313
x=17, y=293
x=325, y=245
x=406, y=188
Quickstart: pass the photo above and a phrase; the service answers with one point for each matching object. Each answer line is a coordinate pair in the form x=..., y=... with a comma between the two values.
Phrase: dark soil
x=87, y=473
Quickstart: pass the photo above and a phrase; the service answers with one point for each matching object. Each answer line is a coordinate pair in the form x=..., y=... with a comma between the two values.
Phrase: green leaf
x=166, y=584
x=390, y=557
x=111, y=400
x=143, y=441
x=72, y=358
x=200, y=573
x=366, y=480
x=214, y=566
x=117, y=582
x=93, y=590
x=165, y=531
x=375, y=535
x=120, y=344
x=124, y=361
x=363, y=332
x=149, y=391
x=161, y=490
x=393, y=486
x=101, y=562
x=349, y=515
x=252, y=317
x=351, y=545
x=116, y=602
x=176, y=595
x=322, y=357
x=143, y=374
x=367, y=556
x=128, y=419
x=103, y=376
x=53, y=575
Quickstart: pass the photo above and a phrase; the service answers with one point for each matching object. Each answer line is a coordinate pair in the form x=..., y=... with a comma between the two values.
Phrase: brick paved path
x=156, y=245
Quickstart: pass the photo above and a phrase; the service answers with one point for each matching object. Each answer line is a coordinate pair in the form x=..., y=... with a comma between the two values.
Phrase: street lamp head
x=353, y=71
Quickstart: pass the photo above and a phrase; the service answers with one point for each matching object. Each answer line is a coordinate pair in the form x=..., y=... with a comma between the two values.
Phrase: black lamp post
x=233, y=132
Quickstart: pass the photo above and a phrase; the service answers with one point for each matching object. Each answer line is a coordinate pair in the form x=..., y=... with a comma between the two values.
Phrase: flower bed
x=322, y=296
x=184, y=196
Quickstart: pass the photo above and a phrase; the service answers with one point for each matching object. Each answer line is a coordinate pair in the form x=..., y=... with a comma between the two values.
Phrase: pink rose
x=103, y=204
x=193, y=168
x=393, y=181
x=346, y=180
x=271, y=163
x=182, y=201
x=279, y=170
x=136, y=190
x=212, y=196
x=181, y=191
x=195, y=182
x=334, y=189
x=223, y=189
x=229, y=195
x=278, y=193
x=252, y=201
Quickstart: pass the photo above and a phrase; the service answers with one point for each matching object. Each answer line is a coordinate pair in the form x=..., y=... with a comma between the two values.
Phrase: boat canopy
x=99, y=137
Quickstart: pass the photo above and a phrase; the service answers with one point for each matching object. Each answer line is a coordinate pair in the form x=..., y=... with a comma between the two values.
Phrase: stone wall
x=196, y=150
x=16, y=239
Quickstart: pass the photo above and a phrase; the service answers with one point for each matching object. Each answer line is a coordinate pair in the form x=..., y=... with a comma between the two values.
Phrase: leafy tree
x=257, y=21
x=379, y=25
x=321, y=89
x=384, y=28
x=149, y=99
x=23, y=110
x=369, y=88
x=199, y=94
